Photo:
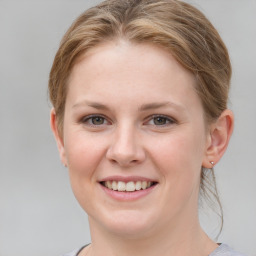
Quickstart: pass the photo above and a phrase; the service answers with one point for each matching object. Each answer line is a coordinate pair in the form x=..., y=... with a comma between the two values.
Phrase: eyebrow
x=91, y=104
x=144, y=107
x=157, y=105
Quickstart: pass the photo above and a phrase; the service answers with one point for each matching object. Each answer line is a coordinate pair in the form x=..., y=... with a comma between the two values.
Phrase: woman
x=139, y=92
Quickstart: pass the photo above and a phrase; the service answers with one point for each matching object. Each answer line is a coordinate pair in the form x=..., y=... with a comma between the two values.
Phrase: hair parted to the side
x=171, y=24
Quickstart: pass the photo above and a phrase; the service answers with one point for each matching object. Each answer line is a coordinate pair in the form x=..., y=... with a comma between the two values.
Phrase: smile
x=129, y=186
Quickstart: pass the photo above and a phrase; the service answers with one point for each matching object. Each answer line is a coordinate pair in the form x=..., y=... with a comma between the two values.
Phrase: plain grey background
x=38, y=213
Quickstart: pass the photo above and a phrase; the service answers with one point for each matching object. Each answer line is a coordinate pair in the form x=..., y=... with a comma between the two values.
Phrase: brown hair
x=171, y=24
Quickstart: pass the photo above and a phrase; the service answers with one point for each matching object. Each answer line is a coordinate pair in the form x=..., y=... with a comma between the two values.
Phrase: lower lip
x=128, y=196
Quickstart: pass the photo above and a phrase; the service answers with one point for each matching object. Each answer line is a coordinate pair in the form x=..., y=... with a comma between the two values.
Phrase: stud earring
x=212, y=163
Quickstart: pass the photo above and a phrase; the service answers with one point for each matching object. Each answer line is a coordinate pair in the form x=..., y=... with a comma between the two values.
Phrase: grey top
x=225, y=250
x=222, y=250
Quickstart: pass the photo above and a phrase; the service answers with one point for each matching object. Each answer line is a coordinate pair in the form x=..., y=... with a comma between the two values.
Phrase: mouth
x=130, y=186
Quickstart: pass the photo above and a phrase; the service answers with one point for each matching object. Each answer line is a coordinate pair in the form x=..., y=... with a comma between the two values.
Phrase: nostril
x=123, y=162
x=113, y=161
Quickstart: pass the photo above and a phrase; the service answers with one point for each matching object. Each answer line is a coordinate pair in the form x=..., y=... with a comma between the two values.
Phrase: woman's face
x=134, y=139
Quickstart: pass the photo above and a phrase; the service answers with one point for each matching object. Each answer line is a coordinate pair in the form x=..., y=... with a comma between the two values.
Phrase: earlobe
x=58, y=138
x=219, y=136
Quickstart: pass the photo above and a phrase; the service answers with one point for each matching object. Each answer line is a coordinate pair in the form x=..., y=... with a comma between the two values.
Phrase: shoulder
x=225, y=250
x=75, y=252
x=222, y=250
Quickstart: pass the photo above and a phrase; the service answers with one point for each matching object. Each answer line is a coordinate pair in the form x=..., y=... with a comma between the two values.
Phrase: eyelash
x=89, y=119
x=168, y=120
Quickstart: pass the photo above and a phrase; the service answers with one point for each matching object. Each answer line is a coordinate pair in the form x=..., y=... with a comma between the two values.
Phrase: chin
x=126, y=223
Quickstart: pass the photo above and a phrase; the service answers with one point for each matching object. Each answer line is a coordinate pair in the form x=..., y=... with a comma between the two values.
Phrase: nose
x=126, y=149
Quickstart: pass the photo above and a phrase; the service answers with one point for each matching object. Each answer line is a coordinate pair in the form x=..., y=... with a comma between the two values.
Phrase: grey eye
x=97, y=120
x=160, y=120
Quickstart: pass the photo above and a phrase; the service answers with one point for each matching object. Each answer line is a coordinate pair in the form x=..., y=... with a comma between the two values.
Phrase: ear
x=58, y=138
x=218, y=138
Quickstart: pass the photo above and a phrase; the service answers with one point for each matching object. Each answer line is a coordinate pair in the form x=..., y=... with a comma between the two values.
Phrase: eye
x=97, y=120
x=94, y=120
x=159, y=120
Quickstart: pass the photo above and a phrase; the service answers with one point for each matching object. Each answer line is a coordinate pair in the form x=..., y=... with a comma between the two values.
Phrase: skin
x=118, y=82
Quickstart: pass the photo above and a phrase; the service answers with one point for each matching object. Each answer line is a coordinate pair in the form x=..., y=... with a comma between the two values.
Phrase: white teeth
x=109, y=184
x=138, y=185
x=121, y=186
x=114, y=185
x=144, y=184
x=129, y=186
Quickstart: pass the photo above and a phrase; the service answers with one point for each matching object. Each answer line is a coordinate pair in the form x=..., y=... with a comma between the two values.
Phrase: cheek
x=179, y=158
x=180, y=149
x=180, y=165
x=84, y=153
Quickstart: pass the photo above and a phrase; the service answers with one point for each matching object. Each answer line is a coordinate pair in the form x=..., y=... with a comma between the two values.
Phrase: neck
x=174, y=240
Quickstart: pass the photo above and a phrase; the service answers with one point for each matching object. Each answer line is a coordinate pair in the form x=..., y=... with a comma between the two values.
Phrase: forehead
x=122, y=70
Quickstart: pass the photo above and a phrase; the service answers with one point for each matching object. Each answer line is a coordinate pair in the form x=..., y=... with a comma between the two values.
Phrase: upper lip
x=126, y=178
